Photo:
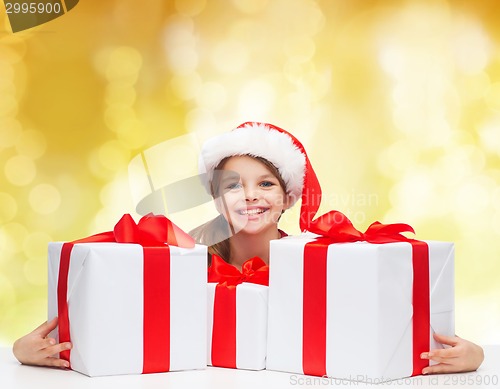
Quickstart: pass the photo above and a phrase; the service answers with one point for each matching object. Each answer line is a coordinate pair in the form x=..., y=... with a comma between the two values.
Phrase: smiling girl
x=254, y=173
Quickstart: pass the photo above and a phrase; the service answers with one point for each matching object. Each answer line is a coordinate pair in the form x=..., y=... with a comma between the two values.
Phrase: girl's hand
x=36, y=348
x=462, y=356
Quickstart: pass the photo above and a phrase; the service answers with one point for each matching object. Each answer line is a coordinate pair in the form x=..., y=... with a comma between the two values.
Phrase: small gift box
x=237, y=314
x=357, y=306
x=132, y=300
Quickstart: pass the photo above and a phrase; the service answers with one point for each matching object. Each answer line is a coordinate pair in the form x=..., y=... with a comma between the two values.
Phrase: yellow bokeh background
x=397, y=103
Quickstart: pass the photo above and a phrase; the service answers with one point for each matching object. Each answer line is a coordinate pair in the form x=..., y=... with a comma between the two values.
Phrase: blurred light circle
x=495, y=199
x=413, y=193
x=396, y=159
x=190, y=7
x=256, y=99
x=14, y=235
x=8, y=207
x=212, y=96
x=10, y=131
x=119, y=94
x=113, y=156
x=472, y=49
x=115, y=115
x=250, y=6
x=230, y=56
x=32, y=144
x=95, y=166
x=186, y=86
x=7, y=293
x=44, y=199
x=8, y=105
x=20, y=170
x=182, y=60
x=473, y=196
x=393, y=61
x=298, y=72
x=13, y=48
x=7, y=86
x=179, y=32
x=115, y=197
x=201, y=121
x=472, y=87
x=3, y=245
x=492, y=96
x=123, y=65
x=496, y=223
x=132, y=134
x=35, y=244
x=300, y=17
x=6, y=70
x=35, y=271
x=300, y=49
x=106, y=194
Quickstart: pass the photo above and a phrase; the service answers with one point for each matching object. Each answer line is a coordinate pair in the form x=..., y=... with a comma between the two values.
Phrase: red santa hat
x=277, y=146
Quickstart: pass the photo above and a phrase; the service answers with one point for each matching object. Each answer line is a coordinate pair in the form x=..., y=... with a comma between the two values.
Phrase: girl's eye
x=234, y=185
x=266, y=184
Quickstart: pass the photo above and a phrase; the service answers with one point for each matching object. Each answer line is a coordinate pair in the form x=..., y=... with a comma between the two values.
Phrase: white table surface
x=16, y=376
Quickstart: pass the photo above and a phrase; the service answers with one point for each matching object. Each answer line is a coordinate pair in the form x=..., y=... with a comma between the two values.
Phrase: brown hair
x=218, y=229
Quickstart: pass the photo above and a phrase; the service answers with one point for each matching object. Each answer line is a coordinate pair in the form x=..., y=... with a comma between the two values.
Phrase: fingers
x=56, y=362
x=439, y=359
x=57, y=348
x=44, y=329
x=444, y=353
x=439, y=368
x=47, y=342
x=449, y=340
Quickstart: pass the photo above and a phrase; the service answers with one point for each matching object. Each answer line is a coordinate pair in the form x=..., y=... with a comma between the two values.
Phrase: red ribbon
x=228, y=277
x=155, y=233
x=335, y=227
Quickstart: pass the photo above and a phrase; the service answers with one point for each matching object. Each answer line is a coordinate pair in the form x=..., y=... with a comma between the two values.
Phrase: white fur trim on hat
x=257, y=139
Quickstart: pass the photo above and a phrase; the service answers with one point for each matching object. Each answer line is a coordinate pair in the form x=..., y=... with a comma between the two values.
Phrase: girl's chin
x=254, y=228
x=252, y=224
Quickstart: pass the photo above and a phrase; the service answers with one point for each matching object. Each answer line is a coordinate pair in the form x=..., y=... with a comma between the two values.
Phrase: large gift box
x=133, y=307
x=237, y=314
x=357, y=306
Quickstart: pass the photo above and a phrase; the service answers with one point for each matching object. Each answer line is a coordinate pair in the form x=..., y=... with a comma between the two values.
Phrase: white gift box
x=251, y=325
x=106, y=305
x=369, y=306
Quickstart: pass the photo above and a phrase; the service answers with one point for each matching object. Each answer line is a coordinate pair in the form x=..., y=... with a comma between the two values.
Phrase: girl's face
x=253, y=199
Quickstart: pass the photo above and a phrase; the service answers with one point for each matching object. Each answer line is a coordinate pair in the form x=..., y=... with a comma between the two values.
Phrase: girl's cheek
x=276, y=199
x=234, y=197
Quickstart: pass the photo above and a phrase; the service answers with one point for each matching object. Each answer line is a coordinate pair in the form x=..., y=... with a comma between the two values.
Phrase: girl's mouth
x=252, y=211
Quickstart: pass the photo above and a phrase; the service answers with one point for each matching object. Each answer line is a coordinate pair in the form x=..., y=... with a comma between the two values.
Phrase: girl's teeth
x=252, y=211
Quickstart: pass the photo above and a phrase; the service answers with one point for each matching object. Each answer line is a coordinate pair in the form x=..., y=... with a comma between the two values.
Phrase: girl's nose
x=250, y=194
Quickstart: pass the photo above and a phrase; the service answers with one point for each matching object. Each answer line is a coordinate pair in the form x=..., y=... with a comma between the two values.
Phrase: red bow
x=151, y=231
x=338, y=228
x=253, y=270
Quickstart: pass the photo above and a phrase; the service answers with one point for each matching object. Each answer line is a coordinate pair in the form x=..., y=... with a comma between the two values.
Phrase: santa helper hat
x=277, y=146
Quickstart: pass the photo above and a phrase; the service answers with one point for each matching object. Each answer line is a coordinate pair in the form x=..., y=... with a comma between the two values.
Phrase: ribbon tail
x=224, y=327
x=156, y=309
x=314, y=309
x=102, y=237
x=421, y=304
x=62, y=299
